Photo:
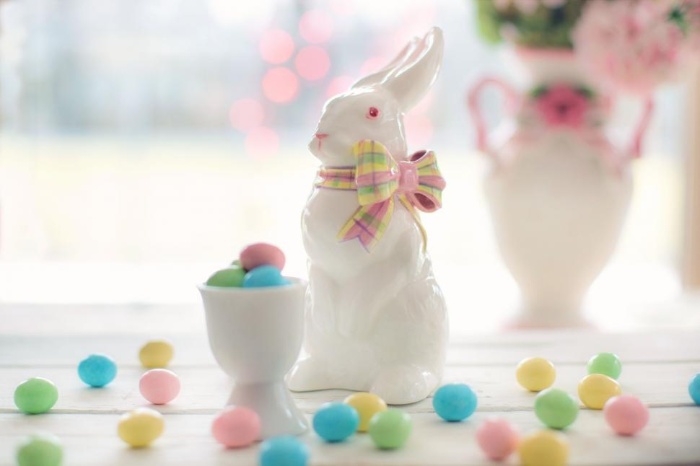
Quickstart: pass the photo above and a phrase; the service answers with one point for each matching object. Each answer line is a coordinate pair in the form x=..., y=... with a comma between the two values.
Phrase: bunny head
x=374, y=106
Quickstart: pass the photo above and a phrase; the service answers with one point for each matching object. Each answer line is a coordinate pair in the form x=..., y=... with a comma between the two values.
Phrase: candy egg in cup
x=255, y=335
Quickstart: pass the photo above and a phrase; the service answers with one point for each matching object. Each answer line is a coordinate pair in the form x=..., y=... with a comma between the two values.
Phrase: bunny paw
x=404, y=384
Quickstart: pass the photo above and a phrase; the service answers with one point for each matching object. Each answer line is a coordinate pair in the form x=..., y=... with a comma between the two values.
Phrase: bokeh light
x=338, y=85
x=312, y=62
x=419, y=131
x=276, y=46
x=280, y=85
x=262, y=142
x=246, y=114
x=316, y=27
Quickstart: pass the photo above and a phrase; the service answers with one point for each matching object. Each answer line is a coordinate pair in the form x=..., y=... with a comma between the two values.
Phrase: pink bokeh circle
x=312, y=62
x=280, y=85
x=276, y=46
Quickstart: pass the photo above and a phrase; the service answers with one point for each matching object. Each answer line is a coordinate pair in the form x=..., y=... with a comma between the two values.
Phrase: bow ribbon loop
x=379, y=179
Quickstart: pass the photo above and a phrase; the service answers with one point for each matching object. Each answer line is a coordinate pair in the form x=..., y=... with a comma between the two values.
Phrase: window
x=142, y=144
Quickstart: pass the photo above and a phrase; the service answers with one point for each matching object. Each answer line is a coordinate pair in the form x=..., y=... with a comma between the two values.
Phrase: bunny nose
x=321, y=135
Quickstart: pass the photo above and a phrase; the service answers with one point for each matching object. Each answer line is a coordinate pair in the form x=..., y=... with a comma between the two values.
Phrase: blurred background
x=143, y=144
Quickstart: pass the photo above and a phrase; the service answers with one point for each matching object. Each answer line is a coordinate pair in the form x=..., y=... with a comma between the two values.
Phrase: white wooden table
x=50, y=340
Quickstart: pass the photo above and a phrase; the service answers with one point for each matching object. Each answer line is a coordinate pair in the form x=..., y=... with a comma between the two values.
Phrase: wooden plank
x=205, y=390
x=562, y=347
x=670, y=438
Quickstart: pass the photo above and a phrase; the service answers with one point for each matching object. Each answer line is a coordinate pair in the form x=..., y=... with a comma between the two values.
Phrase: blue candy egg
x=334, y=422
x=264, y=276
x=454, y=402
x=283, y=451
x=694, y=389
x=97, y=370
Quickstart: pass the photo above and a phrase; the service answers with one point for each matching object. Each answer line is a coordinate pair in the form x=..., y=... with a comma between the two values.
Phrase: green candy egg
x=605, y=363
x=40, y=450
x=36, y=395
x=556, y=408
x=390, y=429
x=230, y=277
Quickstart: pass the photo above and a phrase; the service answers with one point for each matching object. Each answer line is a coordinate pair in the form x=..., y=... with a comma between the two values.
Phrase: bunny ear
x=415, y=76
x=391, y=67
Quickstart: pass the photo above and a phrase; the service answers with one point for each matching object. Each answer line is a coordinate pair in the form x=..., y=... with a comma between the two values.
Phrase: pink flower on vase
x=560, y=105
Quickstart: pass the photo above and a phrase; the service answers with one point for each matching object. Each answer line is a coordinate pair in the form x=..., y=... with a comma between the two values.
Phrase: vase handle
x=640, y=130
x=473, y=105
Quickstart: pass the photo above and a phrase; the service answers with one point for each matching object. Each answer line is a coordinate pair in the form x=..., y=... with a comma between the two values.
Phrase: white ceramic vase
x=558, y=191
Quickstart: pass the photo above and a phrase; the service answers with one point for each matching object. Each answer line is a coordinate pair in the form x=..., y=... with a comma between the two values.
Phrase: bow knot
x=409, y=177
x=379, y=179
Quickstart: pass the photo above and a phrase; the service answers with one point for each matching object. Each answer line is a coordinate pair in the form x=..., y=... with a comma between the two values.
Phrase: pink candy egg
x=236, y=427
x=497, y=438
x=626, y=414
x=259, y=254
x=159, y=386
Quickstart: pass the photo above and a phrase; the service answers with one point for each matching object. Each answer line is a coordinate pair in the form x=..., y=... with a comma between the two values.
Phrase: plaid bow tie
x=379, y=179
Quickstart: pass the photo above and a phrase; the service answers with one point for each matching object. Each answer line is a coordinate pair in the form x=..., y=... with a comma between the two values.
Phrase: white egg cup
x=255, y=335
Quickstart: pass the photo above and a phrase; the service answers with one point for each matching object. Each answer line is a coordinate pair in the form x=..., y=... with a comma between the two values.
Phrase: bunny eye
x=373, y=113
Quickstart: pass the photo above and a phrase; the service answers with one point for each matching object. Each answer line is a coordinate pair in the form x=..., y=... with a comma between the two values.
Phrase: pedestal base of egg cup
x=255, y=335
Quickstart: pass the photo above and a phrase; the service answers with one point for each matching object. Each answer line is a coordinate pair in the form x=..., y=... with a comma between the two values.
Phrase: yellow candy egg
x=544, y=447
x=535, y=374
x=367, y=405
x=140, y=427
x=595, y=389
x=156, y=354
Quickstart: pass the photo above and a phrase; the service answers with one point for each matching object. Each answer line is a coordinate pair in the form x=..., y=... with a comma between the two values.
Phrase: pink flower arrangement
x=560, y=105
x=631, y=44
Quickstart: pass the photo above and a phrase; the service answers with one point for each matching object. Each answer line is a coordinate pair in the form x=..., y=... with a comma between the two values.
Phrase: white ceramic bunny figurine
x=375, y=316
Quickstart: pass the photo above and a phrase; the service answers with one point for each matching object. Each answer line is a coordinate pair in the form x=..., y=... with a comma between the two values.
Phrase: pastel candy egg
x=390, y=429
x=556, y=408
x=156, y=353
x=335, y=422
x=545, y=447
x=454, y=402
x=367, y=405
x=595, y=389
x=258, y=254
x=97, y=370
x=694, y=389
x=140, y=427
x=626, y=414
x=605, y=363
x=535, y=374
x=497, y=438
x=264, y=276
x=230, y=277
x=236, y=427
x=36, y=395
x=159, y=386
x=40, y=450
x=283, y=451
